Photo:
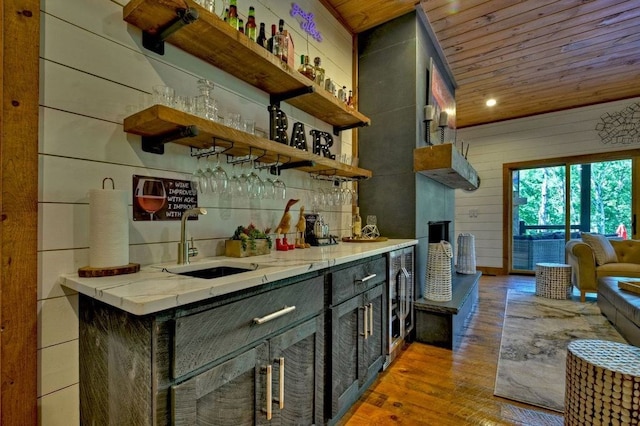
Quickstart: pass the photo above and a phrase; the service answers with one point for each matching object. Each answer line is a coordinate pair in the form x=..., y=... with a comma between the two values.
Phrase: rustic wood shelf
x=445, y=164
x=214, y=41
x=160, y=120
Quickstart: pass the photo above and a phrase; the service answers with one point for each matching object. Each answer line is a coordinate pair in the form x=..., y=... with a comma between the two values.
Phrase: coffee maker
x=317, y=231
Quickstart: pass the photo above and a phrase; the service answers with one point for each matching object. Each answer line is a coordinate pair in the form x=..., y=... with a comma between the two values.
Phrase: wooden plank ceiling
x=532, y=56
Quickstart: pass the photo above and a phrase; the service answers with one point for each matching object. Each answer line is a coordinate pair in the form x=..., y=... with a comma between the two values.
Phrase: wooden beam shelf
x=445, y=164
x=159, y=120
x=214, y=41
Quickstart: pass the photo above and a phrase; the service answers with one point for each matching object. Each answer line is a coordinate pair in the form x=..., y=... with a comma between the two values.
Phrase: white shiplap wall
x=560, y=134
x=93, y=72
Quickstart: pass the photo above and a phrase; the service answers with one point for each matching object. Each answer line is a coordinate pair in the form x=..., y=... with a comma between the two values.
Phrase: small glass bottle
x=233, y=14
x=241, y=25
x=356, y=224
x=271, y=42
x=319, y=71
x=251, y=29
x=262, y=36
x=280, y=45
x=350, y=103
x=305, y=67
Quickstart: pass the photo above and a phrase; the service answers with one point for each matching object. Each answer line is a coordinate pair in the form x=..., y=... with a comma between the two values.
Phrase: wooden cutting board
x=89, y=272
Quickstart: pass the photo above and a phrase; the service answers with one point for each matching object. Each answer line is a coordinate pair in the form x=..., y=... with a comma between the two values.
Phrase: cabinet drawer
x=206, y=336
x=347, y=282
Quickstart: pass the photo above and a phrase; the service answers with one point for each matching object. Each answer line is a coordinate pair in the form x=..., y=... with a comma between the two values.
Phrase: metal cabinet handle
x=365, y=279
x=407, y=301
x=281, y=361
x=274, y=315
x=366, y=321
x=370, y=319
x=269, y=392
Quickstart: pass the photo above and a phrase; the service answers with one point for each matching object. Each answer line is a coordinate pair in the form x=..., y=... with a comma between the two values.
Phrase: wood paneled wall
x=19, y=45
x=95, y=73
x=555, y=135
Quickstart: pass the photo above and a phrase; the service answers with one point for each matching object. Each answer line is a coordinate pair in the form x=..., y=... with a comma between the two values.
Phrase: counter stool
x=553, y=280
x=602, y=383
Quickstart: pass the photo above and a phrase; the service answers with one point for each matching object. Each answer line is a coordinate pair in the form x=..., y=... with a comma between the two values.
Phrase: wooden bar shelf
x=214, y=41
x=159, y=120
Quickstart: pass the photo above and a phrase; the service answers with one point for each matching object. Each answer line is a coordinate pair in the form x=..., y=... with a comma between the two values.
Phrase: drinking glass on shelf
x=372, y=220
x=150, y=195
x=163, y=95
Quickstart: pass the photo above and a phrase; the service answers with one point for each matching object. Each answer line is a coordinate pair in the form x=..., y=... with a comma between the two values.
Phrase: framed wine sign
x=156, y=198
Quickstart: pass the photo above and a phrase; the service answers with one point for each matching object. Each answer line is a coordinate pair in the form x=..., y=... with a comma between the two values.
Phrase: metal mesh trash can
x=438, y=279
x=466, y=260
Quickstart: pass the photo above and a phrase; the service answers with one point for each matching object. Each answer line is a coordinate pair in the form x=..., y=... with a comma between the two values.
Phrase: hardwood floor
x=432, y=386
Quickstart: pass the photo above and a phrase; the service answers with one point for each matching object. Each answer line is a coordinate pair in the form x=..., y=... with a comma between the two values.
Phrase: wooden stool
x=602, y=383
x=553, y=280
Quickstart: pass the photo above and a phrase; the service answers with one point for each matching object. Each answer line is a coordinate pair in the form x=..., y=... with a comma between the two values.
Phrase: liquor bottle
x=350, y=103
x=305, y=67
x=272, y=40
x=280, y=45
x=262, y=36
x=226, y=15
x=319, y=71
x=342, y=94
x=241, y=25
x=233, y=14
x=251, y=28
x=356, y=224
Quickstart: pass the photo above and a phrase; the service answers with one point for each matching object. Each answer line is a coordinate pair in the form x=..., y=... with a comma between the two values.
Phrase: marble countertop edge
x=154, y=288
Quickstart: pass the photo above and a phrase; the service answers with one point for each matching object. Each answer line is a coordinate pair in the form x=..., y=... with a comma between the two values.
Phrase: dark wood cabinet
x=207, y=363
x=278, y=382
x=357, y=331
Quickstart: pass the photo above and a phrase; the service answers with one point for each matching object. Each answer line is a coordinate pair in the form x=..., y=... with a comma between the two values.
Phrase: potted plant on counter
x=248, y=241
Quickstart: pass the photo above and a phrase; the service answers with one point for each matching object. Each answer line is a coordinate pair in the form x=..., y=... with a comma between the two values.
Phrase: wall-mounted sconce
x=428, y=118
x=442, y=123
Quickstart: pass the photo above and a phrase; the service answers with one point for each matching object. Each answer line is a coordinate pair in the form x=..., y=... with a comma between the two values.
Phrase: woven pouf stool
x=466, y=263
x=553, y=280
x=438, y=279
x=602, y=383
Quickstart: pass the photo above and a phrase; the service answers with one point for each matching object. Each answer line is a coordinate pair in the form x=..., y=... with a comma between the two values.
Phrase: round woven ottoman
x=553, y=280
x=602, y=383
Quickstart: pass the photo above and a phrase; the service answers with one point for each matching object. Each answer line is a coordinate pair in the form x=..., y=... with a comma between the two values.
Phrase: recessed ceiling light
x=491, y=102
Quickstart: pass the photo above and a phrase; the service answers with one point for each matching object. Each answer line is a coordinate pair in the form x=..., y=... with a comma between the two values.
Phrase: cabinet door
x=373, y=343
x=297, y=359
x=228, y=394
x=346, y=327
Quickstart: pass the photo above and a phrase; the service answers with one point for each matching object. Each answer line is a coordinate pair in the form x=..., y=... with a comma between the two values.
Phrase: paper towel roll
x=109, y=228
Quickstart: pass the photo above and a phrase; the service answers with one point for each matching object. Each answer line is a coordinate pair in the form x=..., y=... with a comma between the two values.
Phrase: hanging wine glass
x=150, y=195
x=219, y=179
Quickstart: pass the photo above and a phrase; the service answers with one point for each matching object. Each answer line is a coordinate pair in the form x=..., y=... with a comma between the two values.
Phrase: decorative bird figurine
x=283, y=227
x=301, y=227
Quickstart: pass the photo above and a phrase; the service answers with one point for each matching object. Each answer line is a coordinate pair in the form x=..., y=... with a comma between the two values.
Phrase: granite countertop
x=158, y=287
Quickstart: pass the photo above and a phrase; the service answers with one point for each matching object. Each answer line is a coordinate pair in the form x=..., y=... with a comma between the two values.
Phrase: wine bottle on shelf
x=272, y=40
x=225, y=17
x=233, y=14
x=356, y=224
x=305, y=67
x=251, y=29
x=319, y=71
x=262, y=36
x=241, y=25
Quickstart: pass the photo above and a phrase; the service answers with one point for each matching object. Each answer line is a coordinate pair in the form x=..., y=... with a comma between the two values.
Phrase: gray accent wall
x=393, y=64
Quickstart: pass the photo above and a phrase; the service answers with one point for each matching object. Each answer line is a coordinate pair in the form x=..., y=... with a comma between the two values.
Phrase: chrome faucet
x=184, y=251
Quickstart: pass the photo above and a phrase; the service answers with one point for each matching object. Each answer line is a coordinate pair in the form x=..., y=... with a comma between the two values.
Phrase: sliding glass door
x=553, y=203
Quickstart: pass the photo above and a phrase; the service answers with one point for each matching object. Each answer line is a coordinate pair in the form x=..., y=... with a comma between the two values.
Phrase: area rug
x=533, y=349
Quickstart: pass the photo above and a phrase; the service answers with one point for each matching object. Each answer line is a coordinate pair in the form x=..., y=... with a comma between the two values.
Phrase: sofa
x=621, y=307
x=595, y=256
